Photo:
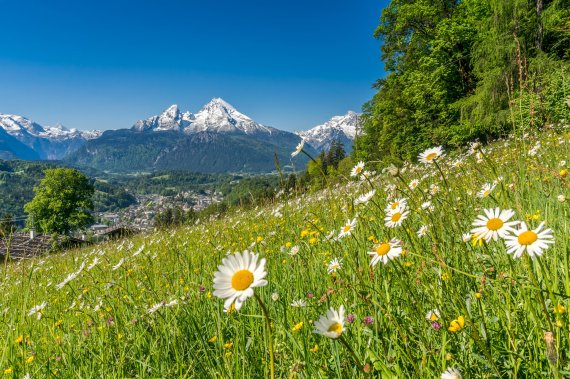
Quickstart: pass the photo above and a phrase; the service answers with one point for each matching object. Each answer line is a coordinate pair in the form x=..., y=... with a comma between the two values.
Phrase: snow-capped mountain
x=217, y=116
x=217, y=138
x=343, y=128
x=170, y=119
x=48, y=142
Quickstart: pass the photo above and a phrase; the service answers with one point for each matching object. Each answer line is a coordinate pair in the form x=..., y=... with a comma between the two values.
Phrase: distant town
x=141, y=215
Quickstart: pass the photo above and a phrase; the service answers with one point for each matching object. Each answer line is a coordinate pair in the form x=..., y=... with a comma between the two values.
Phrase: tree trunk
x=539, y=32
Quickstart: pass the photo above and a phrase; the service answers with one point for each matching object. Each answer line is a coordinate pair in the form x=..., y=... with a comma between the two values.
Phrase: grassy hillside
x=145, y=307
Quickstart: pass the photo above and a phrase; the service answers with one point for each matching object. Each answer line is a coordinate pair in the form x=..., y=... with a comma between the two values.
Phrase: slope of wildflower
x=410, y=273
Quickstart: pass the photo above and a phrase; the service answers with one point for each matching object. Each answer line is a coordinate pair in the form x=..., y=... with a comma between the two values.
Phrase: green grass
x=99, y=325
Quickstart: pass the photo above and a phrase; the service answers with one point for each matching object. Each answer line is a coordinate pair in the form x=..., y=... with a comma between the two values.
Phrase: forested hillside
x=465, y=70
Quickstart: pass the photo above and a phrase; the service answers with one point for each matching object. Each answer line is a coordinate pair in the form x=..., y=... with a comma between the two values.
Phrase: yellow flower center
x=395, y=204
x=396, y=217
x=431, y=156
x=242, y=280
x=494, y=224
x=383, y=249
x=486, y=193
x=433, y=317
x=527, y=238
x=335, y=328
x=347, y=228
x=358, y=169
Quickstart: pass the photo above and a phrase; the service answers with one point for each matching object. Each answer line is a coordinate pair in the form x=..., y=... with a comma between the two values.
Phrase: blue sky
x=290, y=64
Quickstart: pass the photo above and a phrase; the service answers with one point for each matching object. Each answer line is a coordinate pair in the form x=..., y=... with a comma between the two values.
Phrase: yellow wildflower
x=457, y=324
x=297, y=327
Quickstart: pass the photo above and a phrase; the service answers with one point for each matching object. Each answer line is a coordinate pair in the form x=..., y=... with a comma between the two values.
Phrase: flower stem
x=442, y=175
x=356, y=360
x=539, y=292
x=269, y=337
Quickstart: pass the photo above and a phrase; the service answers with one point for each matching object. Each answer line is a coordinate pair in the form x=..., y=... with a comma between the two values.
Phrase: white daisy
x=364, y=198
x=334, y=265
x=434, y=189
x=156, y=307
x=119, y=264
x=347, y=229
x=422, y=231
x=534, y=242
x=413, y=184
x=299, y=303
x=385, y=251
x=366, y=175
x=70, y=277
x=299, y=148
x=451, y=373
x=494, y=224
x=429, y=156
x=475, y=146
x=332, y=324
x=237, y=276
x=486, y=190
x=396, y=217
x=37, y=310
x=356, y=170
x=433, y=315
x=294, y=250
x=402, y=202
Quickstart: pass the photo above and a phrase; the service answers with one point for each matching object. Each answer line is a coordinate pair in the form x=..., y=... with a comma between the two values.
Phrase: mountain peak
x=220, y=101
x=48, y=142
x=59, y=126
x=217, y=103
x=217, y=116
x=343, y=128
x=171, y=112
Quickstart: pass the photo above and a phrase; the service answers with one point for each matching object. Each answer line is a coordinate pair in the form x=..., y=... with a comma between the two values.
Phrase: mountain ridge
x=344, y=128
x=48, y=142
x=174, y=139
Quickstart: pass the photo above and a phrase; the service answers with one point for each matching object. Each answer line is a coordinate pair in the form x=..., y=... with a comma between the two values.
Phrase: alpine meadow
x=427, y=237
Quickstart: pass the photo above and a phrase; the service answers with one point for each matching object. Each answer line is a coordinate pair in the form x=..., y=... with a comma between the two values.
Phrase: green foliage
x=62, y=202
x=249, y=190
x=328, y=168
x=461, y=70
x=7, y=225
x=130, y=151
x=174, y=217
x=146, y=303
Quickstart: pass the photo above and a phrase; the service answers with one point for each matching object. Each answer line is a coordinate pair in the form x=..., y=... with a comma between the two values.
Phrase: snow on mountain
x=344, y=128
x=20, y=126
x=49, y=142
x=170, y=119
x=217, y=116
x=17, y=125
